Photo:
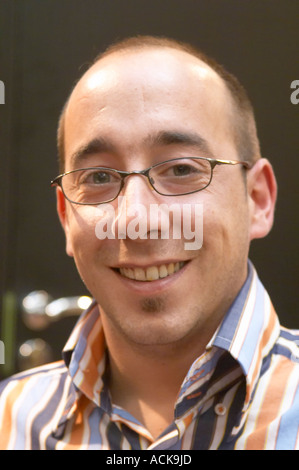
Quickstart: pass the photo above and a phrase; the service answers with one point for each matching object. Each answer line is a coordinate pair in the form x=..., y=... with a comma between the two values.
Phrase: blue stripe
x=292, y=335
x=256, y=326
x=95, y=436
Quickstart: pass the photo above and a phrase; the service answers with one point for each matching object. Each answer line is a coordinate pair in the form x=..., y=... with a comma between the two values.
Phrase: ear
x=262, y=192
x=63, y=217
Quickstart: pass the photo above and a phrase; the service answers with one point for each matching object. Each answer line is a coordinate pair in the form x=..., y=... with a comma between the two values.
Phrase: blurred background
x=45, y=45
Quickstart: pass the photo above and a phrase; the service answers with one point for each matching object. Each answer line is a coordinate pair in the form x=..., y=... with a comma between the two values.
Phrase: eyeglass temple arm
x=231, y=162
x=56, y=181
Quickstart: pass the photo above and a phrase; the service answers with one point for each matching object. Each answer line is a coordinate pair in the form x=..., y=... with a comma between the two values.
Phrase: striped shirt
x=242, y=393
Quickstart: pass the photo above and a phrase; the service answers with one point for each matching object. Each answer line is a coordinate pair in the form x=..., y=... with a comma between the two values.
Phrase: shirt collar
x=85, y=354
x=248, y=332
x=249, y=329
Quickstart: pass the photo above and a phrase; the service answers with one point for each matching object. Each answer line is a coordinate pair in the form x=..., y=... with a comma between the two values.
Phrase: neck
x=145, y=379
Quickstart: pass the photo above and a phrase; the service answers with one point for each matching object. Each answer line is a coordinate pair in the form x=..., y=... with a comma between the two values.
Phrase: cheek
x=226, y=227
x=81, y=236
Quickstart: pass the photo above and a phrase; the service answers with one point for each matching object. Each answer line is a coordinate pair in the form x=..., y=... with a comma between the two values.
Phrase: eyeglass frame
x=124, y=174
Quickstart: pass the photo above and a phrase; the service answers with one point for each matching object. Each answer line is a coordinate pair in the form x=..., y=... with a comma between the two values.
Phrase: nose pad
x=150, y=181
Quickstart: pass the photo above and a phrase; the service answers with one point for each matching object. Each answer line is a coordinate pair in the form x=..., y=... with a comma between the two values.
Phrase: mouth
x=151, y=273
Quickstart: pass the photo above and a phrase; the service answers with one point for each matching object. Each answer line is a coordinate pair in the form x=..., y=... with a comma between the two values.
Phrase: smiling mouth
x=152, y=273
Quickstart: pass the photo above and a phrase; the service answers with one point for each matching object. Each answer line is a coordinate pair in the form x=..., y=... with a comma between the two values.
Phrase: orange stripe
x=262, y=343
x=77, y=428
x=188, y=420
x=8, y=425
x=269, y=410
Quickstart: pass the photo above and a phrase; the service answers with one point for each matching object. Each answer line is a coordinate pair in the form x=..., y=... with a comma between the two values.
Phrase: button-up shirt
x=242, y=393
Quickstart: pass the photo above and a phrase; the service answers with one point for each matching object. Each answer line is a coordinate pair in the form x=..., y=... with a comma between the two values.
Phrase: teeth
x=163, y=271
x=140, y=274
x=152, y=273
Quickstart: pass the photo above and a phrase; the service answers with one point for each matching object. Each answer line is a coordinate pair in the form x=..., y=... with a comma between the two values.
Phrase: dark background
x=45, y=45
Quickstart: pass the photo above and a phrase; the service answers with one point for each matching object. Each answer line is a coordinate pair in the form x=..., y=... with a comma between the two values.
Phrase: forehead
x=149, y=68
x=156, y=87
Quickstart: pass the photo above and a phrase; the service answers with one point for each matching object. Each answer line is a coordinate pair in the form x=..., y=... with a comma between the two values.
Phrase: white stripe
x=99, y=382
x=79, y=375
x=245, y=320
x=40, y=405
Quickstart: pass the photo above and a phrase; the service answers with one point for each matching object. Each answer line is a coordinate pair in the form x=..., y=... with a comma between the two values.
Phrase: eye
x=98, y=177
x=183, y=170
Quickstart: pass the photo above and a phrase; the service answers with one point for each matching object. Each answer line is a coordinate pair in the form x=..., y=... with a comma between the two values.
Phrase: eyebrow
x=190, y=139
x=98, y=145
x=161, y=138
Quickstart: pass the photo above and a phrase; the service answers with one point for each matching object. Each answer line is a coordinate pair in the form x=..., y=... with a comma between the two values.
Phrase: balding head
x=241, y=116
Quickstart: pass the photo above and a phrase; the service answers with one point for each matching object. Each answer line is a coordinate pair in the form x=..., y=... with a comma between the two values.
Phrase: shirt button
x=220, y=409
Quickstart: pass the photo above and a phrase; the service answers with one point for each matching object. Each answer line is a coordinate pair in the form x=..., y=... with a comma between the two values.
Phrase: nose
x=133, y=210
x=137, y=188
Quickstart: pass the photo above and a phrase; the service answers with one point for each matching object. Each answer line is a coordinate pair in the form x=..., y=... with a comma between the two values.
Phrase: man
x=181, y=348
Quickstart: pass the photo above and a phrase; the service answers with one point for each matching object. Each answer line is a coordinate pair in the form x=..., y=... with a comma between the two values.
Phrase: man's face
x=127, y=103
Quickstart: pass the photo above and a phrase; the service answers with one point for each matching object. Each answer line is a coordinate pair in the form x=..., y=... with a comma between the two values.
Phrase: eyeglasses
x=176, y=177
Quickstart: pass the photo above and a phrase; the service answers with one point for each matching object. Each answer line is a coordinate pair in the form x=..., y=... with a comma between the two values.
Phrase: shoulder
x=45, y=369
x=29, y=401
x=30, y=383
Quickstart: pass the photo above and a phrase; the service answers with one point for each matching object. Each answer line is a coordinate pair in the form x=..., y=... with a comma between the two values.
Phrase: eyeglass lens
x=98, y=185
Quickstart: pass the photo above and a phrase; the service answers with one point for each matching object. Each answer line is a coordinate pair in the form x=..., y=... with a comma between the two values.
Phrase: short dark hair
x=243, y=123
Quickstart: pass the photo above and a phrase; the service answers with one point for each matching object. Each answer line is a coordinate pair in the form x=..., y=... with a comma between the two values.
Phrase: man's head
x=136, y=107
